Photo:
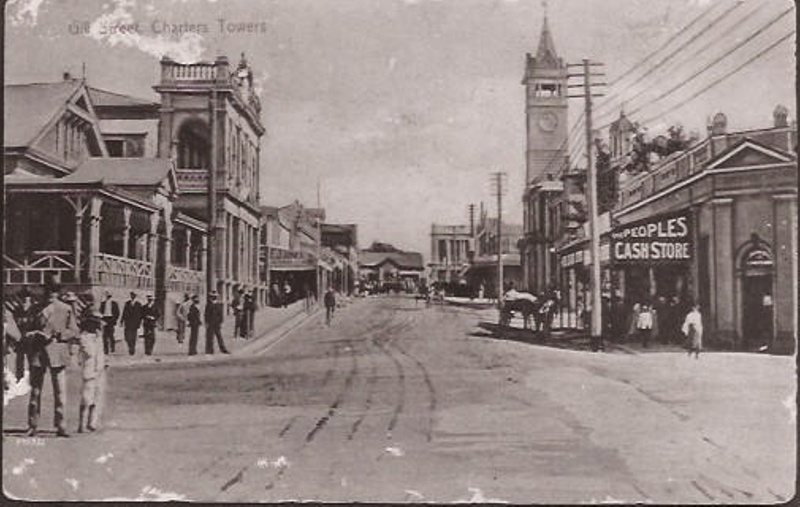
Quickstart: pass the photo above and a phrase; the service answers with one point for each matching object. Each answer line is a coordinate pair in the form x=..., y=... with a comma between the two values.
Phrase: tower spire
x=547, y=49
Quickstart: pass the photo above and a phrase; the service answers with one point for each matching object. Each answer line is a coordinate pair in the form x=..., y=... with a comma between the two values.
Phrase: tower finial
x=544, y=6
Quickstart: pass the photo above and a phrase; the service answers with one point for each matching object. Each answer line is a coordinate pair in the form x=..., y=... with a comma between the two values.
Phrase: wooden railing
x=122, y=272
x=185, y=280
x=43, y=265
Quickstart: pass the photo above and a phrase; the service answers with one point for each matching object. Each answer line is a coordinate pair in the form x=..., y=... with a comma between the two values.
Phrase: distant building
x=451, y=248
x=343, y=240
x=484, y=264
x=384, y=266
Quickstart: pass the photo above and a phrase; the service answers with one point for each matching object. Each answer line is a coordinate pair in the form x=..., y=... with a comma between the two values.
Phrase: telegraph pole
x=499, y=189
x=591, y=175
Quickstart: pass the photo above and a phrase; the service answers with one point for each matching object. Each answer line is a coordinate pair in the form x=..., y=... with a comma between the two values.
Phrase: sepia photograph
x=400, y=251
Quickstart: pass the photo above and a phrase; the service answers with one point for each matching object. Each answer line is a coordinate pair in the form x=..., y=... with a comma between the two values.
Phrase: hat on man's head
x=133, y=294
x=150, y=296
x=70, y=297
x=213, y=294
x=195, y=298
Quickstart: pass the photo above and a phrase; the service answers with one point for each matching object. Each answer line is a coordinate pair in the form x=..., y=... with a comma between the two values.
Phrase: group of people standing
x=189, y=316
x=49, y=336
x=665, y=320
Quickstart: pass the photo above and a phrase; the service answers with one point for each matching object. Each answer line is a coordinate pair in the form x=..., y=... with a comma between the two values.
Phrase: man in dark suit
x=150, y=315
x=193, y=320
x=131, y=320
x=214, y=316
x=109, y=309
x=48, y=348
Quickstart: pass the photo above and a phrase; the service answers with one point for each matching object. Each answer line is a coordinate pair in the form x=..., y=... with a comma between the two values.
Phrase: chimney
x=67, y=76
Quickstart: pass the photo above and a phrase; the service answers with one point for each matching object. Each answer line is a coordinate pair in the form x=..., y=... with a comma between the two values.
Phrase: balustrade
x=115, y=271
x=43, y=265
x=185, y=280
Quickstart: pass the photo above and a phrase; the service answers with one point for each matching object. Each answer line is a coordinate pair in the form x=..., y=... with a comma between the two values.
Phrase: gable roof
x=30, y=107
x=124, y=171
x=406, y=260
x=105, y=98
x=748, y=152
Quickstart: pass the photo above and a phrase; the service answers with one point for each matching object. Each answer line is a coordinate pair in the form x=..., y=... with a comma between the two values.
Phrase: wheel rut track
x=377, y=335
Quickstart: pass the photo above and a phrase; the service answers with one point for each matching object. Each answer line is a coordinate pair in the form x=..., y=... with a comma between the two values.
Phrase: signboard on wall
x=658, y=239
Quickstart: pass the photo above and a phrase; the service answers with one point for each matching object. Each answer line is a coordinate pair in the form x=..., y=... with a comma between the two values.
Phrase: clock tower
x=546, y=125
x=545, y=109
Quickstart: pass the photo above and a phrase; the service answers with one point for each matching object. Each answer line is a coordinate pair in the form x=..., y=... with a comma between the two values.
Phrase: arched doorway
x=756, y=275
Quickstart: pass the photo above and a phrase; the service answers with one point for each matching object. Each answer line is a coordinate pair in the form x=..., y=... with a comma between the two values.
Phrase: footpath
x=270, y=324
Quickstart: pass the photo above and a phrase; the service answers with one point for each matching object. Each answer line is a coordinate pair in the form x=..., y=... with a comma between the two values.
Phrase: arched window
x=193, y=145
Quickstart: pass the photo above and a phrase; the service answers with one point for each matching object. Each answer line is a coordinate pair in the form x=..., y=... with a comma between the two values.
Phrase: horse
x=525, y=306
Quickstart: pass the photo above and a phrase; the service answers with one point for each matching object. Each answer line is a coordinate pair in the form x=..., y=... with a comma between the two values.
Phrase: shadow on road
x=561, y=339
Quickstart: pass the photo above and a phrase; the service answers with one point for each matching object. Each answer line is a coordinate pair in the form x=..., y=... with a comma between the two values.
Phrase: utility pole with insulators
x=588, y=71
x=498, y=190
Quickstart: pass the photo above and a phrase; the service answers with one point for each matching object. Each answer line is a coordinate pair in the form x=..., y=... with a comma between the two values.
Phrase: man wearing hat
x=150, y=315
x=49, y=349
x=109, y=309
x=131, y=320
x=194, y=321
x=214, y=317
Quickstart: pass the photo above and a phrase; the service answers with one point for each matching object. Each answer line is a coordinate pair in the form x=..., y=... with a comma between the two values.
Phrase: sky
x=400, y=110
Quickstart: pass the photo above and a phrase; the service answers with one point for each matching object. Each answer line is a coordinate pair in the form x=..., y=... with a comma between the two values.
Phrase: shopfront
x=651, y=259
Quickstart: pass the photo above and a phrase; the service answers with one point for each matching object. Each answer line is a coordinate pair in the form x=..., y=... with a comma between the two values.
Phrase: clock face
x=548, y=122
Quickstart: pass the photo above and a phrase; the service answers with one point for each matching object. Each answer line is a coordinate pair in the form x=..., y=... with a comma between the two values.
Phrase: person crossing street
x=330, y=305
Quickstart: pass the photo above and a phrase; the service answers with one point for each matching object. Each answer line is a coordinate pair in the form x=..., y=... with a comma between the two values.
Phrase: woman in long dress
x=693, y=330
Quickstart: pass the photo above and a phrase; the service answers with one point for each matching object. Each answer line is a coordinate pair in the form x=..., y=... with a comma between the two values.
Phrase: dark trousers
x=149, y=339
x=194, y=334
x=329, y=313
x=645, y=335
x=58, y=376
x=211, y=332
x=108, y=336
x=130, y=339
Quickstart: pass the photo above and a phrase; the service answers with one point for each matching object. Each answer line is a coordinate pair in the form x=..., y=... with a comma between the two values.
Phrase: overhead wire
x=721, y=78
x=676, y=51
x=738, y=46
x=629, y=100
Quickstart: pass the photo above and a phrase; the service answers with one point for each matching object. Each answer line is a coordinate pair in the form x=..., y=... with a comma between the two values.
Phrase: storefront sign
x=666, y=238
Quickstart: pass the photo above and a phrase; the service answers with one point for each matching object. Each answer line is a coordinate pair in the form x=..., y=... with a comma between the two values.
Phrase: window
x=115, y=147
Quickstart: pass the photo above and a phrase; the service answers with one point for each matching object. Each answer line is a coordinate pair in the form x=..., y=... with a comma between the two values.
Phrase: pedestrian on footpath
x=194, y=321
x=693, y=330
x=131, y=320
x=182, y=316
x=287, y=293
x=109, y=309
x=214, y=317
x=12, y=339
x=249, y=311
x=150, y=315
x=26, y=317
x=237, y=305
x=330, y=305
x=644, y=324
x=50, y=350
x=91, y=358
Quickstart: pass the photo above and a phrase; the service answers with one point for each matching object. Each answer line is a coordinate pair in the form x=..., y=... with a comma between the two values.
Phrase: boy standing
x=91, y=358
